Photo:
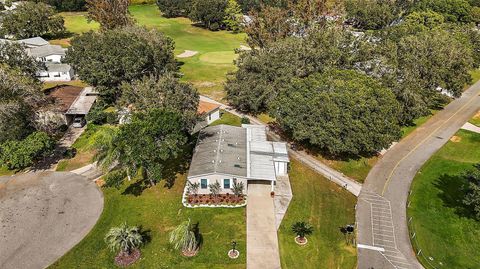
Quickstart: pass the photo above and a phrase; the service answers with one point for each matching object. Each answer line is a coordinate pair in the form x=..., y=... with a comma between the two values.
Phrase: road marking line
x=383, y=225
x=384, y=240
x=423, y=141
x=383, y=235
x=370, y=247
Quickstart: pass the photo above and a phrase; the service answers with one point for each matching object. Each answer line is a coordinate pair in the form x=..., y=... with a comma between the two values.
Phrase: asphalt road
x=43, y=215
x=382, y=231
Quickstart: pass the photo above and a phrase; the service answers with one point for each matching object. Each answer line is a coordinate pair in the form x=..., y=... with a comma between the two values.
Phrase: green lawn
x=160, y=210
x=476, y=119
x=475, y=74
x=406, y=130
x=444, y=229
x=228, y=119
x=327, y=207
x=84, y=147
x=5, y=172
x=206, y=70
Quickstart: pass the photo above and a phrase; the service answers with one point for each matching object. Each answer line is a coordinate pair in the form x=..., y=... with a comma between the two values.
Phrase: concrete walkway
x=262, y=242
x=470, y=127
x=283, y=196
x=349, y=184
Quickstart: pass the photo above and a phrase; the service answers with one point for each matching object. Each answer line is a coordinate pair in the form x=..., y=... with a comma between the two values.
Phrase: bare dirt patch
x=455, y=139
x=477, y=116
x=205, y=84
x=187, y=54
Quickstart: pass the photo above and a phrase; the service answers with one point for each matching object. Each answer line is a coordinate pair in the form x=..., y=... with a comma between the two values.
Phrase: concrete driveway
x=43, y=215
x=262, y=242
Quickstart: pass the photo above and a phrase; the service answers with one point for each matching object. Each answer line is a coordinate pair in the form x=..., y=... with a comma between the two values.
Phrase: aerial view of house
x=229, y=154
x=242, y=134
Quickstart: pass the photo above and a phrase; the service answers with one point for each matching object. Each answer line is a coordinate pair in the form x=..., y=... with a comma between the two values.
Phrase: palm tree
x=193, y=188
x=238, y=188
x=302, y=229
x=124, y=238
x=215, y=189
x=184, y=237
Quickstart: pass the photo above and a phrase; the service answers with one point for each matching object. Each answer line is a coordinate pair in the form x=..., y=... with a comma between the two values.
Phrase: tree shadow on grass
x=146, y=235
x=453, y=189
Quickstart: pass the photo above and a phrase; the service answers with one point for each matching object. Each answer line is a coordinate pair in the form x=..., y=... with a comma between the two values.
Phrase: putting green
x=219, y=57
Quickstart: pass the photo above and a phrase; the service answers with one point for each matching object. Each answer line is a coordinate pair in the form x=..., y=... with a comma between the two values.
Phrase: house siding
x=217, y=177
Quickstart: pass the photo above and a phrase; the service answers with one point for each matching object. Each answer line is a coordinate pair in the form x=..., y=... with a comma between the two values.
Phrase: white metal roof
x=82, y=105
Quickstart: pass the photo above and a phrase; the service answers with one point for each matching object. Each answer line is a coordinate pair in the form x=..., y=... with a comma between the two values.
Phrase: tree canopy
x=32, y=19
x=165, y=92
x=210, y=13
x=14, y=55
x=107, y=58
x=65, y=5
x=109, y=13
x=370, y=14
x=261, y=73
x=20, y=95
x=174, y=8
x=341, y=112
x=148, y=145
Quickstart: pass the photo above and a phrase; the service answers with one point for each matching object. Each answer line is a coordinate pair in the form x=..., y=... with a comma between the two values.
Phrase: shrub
x=245, y=120
x=18, y=154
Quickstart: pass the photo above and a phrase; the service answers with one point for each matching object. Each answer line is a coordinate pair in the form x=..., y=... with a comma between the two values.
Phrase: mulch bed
x=123, y=259
x=233, y=254
x=301, y=241
x=208, y=199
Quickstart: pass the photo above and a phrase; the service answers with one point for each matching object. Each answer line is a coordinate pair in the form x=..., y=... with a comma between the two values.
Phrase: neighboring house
x=210, y=112
x=56, y=72
x=33, y=42
x=47, y=53
x=68, y=102
x=52, y=56
x=228, y=154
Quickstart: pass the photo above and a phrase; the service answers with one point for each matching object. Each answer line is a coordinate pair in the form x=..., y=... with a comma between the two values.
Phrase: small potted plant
x=272, y=194
x=301, y=230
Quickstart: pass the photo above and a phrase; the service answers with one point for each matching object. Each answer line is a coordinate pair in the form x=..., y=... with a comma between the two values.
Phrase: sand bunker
x=187, y=53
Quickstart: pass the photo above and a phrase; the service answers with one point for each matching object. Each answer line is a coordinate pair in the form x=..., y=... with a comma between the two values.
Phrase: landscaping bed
x=222, y=199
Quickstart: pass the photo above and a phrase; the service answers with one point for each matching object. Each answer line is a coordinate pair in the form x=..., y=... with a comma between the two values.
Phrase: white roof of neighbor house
x=54, y=67
x=47, y=50
x=82, y=105
x=34, y=42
